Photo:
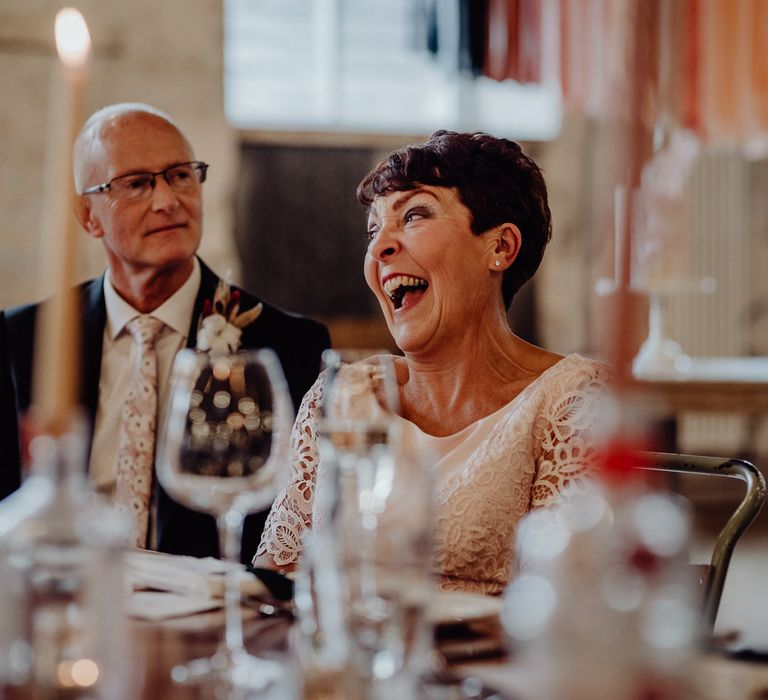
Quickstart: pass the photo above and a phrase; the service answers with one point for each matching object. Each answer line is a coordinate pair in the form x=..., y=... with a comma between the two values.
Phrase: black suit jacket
x=298, y=342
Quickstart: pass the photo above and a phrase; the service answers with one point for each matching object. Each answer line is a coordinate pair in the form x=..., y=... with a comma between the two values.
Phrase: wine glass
x=358, y=432
x=378, y=505
x=224, y=452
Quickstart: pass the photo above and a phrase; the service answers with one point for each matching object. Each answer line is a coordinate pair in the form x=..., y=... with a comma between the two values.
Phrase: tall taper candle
x=56, y=374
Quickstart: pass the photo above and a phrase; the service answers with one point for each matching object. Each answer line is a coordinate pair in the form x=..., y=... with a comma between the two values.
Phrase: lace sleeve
x=291, y=513
x=563, y=431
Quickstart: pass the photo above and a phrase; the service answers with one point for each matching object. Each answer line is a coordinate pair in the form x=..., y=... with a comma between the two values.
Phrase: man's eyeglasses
x=183, y=177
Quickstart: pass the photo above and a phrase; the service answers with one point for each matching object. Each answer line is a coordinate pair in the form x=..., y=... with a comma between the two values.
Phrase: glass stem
x=230, y=527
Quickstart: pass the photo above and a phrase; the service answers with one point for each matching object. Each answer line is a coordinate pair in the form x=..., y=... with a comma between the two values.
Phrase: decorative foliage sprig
x=221, y=323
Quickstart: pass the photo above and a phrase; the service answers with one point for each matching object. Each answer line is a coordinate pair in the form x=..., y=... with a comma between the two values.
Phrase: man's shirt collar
x=175, y=312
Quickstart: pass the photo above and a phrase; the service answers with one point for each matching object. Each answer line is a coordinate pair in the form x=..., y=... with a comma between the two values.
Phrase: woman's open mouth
x=405, y=289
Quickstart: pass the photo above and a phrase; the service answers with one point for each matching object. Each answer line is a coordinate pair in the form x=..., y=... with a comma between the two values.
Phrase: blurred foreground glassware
x=225, y=452
x=605, y=604
x=378, y=506
x=64, y=632
x=322, y=640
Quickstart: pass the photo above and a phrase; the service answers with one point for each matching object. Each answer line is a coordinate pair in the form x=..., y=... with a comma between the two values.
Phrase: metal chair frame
x=747, y=510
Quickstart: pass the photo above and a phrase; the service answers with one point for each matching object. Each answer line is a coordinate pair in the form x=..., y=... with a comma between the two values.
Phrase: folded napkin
x=185, y=576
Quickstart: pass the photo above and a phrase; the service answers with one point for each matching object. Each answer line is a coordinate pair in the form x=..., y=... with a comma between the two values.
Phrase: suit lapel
x=94, y=316
x=208, y=284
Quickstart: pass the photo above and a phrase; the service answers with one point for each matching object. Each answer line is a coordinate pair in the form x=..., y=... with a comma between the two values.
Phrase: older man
x=140, y=192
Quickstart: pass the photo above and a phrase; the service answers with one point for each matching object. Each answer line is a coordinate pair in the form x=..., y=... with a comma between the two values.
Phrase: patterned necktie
x=136, y=451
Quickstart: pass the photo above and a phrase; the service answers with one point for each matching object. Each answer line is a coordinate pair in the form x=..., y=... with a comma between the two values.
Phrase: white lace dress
x=486, y=477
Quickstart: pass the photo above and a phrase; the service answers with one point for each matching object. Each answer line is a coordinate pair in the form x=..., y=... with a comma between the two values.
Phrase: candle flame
x=73, y=41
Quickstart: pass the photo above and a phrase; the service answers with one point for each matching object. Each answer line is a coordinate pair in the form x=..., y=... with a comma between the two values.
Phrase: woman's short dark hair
x=495, y=180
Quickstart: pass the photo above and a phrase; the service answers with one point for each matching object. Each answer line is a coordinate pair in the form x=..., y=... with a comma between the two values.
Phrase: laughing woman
x=456, y=226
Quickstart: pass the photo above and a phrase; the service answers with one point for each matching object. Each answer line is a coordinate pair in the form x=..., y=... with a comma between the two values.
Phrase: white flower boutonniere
x=221, y=323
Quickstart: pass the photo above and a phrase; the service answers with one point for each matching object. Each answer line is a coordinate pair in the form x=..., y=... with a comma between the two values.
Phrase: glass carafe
x=64, y=633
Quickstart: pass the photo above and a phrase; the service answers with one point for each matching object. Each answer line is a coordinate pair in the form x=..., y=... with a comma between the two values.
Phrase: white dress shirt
x=117, y=360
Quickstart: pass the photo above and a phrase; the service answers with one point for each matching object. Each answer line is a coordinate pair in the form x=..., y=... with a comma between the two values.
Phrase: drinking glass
x=225, y=452
x=63, y=632
x=378, y=504
x=321, y=640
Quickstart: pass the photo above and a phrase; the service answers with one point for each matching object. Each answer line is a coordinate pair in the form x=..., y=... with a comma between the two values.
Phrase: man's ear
x=85, y=215
x=507, y=242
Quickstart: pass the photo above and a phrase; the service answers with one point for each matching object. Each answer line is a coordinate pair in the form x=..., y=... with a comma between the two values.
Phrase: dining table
x=479, y=664
x=158, y=646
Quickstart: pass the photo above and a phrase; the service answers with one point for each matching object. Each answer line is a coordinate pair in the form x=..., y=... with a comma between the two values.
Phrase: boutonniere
x=221, y=323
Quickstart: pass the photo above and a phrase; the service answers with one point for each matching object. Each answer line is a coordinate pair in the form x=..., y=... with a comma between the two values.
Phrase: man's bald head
x=150, y=236
x=90, y=145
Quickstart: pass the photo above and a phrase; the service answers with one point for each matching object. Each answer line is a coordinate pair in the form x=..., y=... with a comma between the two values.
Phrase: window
x=363, y=66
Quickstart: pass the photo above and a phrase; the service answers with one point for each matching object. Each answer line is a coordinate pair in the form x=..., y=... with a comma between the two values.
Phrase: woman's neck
x=444, y=392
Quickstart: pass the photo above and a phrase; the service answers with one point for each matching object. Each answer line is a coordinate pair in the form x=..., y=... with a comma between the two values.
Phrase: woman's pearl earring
x=497, y=263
